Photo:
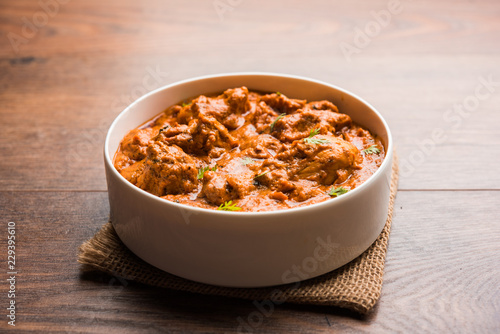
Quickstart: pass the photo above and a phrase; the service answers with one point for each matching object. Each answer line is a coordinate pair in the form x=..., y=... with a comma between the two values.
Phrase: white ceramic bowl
x=248, y=249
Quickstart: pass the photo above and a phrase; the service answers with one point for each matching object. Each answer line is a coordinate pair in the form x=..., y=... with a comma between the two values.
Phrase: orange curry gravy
x=246, y=151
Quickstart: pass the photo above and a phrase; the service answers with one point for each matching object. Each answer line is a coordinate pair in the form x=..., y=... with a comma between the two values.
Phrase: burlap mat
x=355, y=286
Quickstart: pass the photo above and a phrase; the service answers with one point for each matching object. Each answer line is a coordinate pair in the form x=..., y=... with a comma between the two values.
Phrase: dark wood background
x=66, y=71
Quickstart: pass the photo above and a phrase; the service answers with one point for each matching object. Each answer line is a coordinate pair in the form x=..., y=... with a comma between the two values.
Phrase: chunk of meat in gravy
x=359, y=137
x=237, y=100
x=202, y=136
x=322, y=105
x=306, y=191
x=282, y=104
x=330, y=161
x=273, y=175
x=132, y=172
x=261, y=147
x=263, y=117
x=298, y=125
x=221, y=188
x=322, y=161
x=215, y=188
x=226, y=109
x=167, y=170
x=256, y=159
x=133, y=147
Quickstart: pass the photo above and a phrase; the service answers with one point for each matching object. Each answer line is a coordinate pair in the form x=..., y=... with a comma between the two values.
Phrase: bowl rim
x=334, y=201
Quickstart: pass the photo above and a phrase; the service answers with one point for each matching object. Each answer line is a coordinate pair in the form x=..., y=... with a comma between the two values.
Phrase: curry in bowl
x=249, y=151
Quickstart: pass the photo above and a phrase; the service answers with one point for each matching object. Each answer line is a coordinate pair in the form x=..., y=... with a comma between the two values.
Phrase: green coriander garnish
x=277, y=119
x=278, y=93
x=246, y=161
x=259, y=175
x=313, y=133
x=335, y=192
x=311, y=140
x=228, y=206
x=372, y=150
x=201, y=171
x=184, y=104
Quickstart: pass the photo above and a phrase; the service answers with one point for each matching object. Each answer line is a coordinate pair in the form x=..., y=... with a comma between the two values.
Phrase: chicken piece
x=262, y=147
x=304, y=190
x=245, y=133
x=167, y=170
x=186, y=113
x=202, y=136
x=135, y=143
x=219, y=187
x=226, y=108
x=173, y=111
x=215, y=188
x=298, y=125
x=322, y=105
x=273, y=174
x=253, y=97
x=263, y=117
x=132, y=172
x=322, y=160
x=237, y=100
x=358, y=136
x=282, y=104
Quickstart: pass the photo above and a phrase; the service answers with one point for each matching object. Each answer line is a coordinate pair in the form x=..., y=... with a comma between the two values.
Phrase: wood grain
x=70, y=126
x=442, y=274
x=415, y=70
x=61, y=89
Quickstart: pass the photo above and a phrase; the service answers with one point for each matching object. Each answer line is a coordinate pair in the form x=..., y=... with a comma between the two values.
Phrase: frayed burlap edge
x=355, y=286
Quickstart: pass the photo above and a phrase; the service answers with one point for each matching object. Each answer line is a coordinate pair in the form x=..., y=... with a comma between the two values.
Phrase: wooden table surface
x=67, y=68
